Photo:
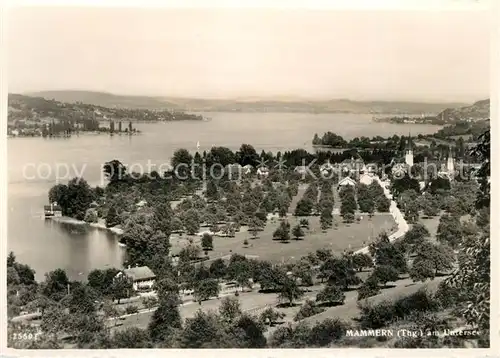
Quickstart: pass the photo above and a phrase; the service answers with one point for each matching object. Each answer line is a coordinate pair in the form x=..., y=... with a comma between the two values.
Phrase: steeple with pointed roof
x=409, y=152
x=450, y=163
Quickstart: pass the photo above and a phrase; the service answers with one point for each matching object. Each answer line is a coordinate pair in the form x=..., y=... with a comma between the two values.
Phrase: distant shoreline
x=10, y=136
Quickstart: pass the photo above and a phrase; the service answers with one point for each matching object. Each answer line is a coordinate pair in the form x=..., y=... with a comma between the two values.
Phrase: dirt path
x=396, y=214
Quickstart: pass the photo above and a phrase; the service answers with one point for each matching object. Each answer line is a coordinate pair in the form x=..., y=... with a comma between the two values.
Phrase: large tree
x=130, y=338
x=229, y=309
x=205, y=289
x=191, y=221
x=449, y=230
x=282, y=233
x=112, y=217
x=385, y=273
x=181, y=162
x=331, y=294
x=339, y=272
x=297, y=232
x=289, y=291
x=207, y=242
x=204, y=330
x=406, y=183
x=247, y=155
x=114, y=171
x=121, y=287
x=361, y=261
x=218, y=269
x=270, y=277
x=386, y=253
x=56, y=284
x=430, y=260
x=165, y=320
x=74, y=198
x=144, y=243
x=246, y=332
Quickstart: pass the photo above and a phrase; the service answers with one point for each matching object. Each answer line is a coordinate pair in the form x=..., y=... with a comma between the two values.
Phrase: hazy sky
x=429, y=56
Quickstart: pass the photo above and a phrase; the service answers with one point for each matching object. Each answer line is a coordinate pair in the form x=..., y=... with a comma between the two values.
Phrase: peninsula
x=40, y=117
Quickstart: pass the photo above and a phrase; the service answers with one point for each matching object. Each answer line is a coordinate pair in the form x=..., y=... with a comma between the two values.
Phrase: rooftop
x=54, y=207
x=139, y=273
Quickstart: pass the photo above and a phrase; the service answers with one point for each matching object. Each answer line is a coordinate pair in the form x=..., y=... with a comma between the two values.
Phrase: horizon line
x=276, y=97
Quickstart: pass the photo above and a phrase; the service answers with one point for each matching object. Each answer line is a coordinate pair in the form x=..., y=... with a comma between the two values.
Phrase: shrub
x=331, y=294
x=420, y=301
x=368, y=289
x=385, y=273
x=361, y=261
x=271, y=316
x=376, y=316
x=91, y=216
x=289, y=337
x=327, y=331
x=381, y=314
x=304, y=207
x=131, y=309
x=447, y=295
x=320, y=335
x=149, y=301
x=281, y=336
x=308, y=309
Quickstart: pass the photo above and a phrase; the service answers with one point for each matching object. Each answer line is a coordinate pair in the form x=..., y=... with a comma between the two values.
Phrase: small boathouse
x=52, y=210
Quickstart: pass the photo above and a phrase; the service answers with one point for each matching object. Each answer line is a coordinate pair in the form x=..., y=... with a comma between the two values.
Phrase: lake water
x=33, y=164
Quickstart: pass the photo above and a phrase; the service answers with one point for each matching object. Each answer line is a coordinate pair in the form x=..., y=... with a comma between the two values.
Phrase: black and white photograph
x=247, y=177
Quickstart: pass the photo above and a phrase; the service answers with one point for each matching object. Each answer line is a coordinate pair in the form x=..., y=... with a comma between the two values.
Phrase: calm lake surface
x=33, y=164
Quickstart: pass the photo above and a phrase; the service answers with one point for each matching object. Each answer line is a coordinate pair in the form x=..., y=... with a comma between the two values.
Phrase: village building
x=247, y=169
x=301, y=169
x=262, y=172
x=233, y=170
x=236, y=170
x=347, y=181
x=142, y=277
x=52, y=210
x=366, y=178
x=208, y=232
x=326, y=169
x=371, y=168
x=352, y=166
x=409, y=153
x=448, y=171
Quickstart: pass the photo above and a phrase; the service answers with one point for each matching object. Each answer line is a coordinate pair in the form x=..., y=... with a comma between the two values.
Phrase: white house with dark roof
x=142, y=277
x=262, y=171
x=347, y=181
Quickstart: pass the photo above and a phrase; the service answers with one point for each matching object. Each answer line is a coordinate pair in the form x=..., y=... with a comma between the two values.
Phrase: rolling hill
x=477, y=111
x=105, y=99
x=247, y=105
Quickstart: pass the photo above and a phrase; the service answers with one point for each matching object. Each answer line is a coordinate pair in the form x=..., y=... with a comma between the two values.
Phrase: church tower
x=450, y=163
x=409, y=153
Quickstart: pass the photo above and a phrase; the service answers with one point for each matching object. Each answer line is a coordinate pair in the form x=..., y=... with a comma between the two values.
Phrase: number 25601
x=25, y=336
